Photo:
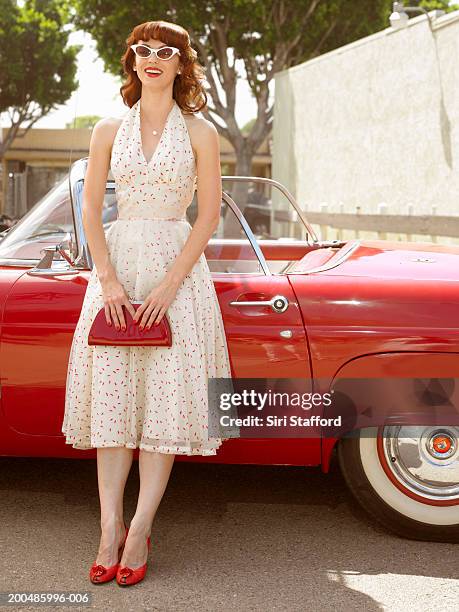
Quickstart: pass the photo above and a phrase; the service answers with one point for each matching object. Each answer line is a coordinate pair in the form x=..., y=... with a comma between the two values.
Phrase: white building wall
x=376, y=121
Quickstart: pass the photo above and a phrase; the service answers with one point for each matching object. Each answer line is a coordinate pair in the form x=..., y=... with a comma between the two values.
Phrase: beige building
x=374, y=124
x=36, y=161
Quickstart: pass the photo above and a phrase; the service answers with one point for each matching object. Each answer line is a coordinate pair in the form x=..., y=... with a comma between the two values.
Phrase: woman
x=151, y=397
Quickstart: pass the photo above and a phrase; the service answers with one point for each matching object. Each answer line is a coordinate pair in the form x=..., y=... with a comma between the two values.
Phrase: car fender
x=404, y=364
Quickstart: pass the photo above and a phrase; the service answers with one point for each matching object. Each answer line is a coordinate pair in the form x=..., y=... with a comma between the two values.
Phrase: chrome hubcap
x=424, y=460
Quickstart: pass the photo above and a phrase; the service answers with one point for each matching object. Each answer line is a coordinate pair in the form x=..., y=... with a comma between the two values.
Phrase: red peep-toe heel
x=99, y=574
x=126, y=576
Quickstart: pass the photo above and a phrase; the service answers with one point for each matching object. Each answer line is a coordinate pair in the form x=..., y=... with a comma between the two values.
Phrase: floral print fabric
x=153, y=398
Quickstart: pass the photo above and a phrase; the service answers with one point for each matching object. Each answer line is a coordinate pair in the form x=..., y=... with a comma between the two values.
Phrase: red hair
x=188, y=91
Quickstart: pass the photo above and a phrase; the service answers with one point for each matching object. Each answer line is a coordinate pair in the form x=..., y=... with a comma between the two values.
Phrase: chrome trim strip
x=76, y=178
x=246, y=227
x=52, y=271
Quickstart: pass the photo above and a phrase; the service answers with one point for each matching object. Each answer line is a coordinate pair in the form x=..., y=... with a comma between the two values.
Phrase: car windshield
x=45, y=224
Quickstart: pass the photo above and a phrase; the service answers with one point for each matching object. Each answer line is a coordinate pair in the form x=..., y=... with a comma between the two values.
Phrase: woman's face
x=168, y=67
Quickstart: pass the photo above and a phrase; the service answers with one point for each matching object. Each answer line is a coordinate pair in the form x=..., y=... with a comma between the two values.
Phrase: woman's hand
x=151, y=311
x=115, y=297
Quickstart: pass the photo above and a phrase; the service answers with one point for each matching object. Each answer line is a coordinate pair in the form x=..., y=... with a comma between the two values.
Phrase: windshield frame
x=62, y=185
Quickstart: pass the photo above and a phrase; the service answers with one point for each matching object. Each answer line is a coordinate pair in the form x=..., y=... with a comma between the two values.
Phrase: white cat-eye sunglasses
x=163, y=53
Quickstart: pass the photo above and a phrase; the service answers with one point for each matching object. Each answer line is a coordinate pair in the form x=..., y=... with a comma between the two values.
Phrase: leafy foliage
x=37, y=71
x=83, y=121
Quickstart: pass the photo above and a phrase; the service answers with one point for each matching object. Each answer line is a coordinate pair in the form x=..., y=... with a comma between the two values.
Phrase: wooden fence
x=432, y=225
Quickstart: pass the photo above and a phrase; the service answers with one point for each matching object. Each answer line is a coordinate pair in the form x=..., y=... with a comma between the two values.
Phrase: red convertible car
x=293, y=307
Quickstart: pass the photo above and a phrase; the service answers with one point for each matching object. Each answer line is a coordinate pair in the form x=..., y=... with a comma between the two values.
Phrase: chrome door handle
x=278, y=303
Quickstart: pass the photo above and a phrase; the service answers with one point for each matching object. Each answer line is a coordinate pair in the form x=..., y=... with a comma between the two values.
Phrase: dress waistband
x=134, y=218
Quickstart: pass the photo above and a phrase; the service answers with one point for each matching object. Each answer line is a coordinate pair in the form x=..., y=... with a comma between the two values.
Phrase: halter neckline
x=163, y=133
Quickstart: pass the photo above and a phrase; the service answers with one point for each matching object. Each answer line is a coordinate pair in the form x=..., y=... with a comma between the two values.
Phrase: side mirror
x=45, y=266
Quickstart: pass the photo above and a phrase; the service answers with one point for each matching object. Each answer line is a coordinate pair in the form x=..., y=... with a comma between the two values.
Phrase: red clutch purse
x=104, y=334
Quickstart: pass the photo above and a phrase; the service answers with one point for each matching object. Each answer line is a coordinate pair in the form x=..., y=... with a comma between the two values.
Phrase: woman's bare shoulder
x=201, y=131
x=196, y=122
x=104, y=130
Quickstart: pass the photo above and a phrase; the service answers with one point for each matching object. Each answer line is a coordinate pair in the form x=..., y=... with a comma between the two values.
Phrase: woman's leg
x=113, y=466
x=154, y=471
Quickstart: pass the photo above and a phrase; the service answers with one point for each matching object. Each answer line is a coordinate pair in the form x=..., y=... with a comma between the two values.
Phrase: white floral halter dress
x=152, y=398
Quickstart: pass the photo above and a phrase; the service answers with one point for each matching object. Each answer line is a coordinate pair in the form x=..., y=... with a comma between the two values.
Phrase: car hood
x=396, y=260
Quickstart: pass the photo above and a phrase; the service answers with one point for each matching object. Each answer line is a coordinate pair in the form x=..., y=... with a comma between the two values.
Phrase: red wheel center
x=441, y=444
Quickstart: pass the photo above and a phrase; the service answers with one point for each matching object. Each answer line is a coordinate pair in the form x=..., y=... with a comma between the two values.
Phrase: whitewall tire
x=406, y=477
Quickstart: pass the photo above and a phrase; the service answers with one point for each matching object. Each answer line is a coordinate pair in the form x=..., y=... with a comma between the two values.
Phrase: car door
x=39, y=319
x=40, y=311
x=263, y=323
x=263, y=326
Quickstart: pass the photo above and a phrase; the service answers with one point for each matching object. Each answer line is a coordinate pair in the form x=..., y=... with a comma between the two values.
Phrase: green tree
x=430, y=5
x=37, y=68
x=83, y=121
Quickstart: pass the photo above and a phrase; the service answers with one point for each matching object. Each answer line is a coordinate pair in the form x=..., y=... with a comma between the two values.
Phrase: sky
x=98, y=91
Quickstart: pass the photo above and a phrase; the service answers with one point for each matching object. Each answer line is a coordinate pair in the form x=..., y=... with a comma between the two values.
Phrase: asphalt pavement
x=225, y=538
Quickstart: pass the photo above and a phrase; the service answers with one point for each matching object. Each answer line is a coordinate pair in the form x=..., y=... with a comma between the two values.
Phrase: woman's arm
x=95, y=181
x=209, y=193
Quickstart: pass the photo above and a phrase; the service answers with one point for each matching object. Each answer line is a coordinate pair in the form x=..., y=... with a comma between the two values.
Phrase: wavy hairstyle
x=187, y=90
